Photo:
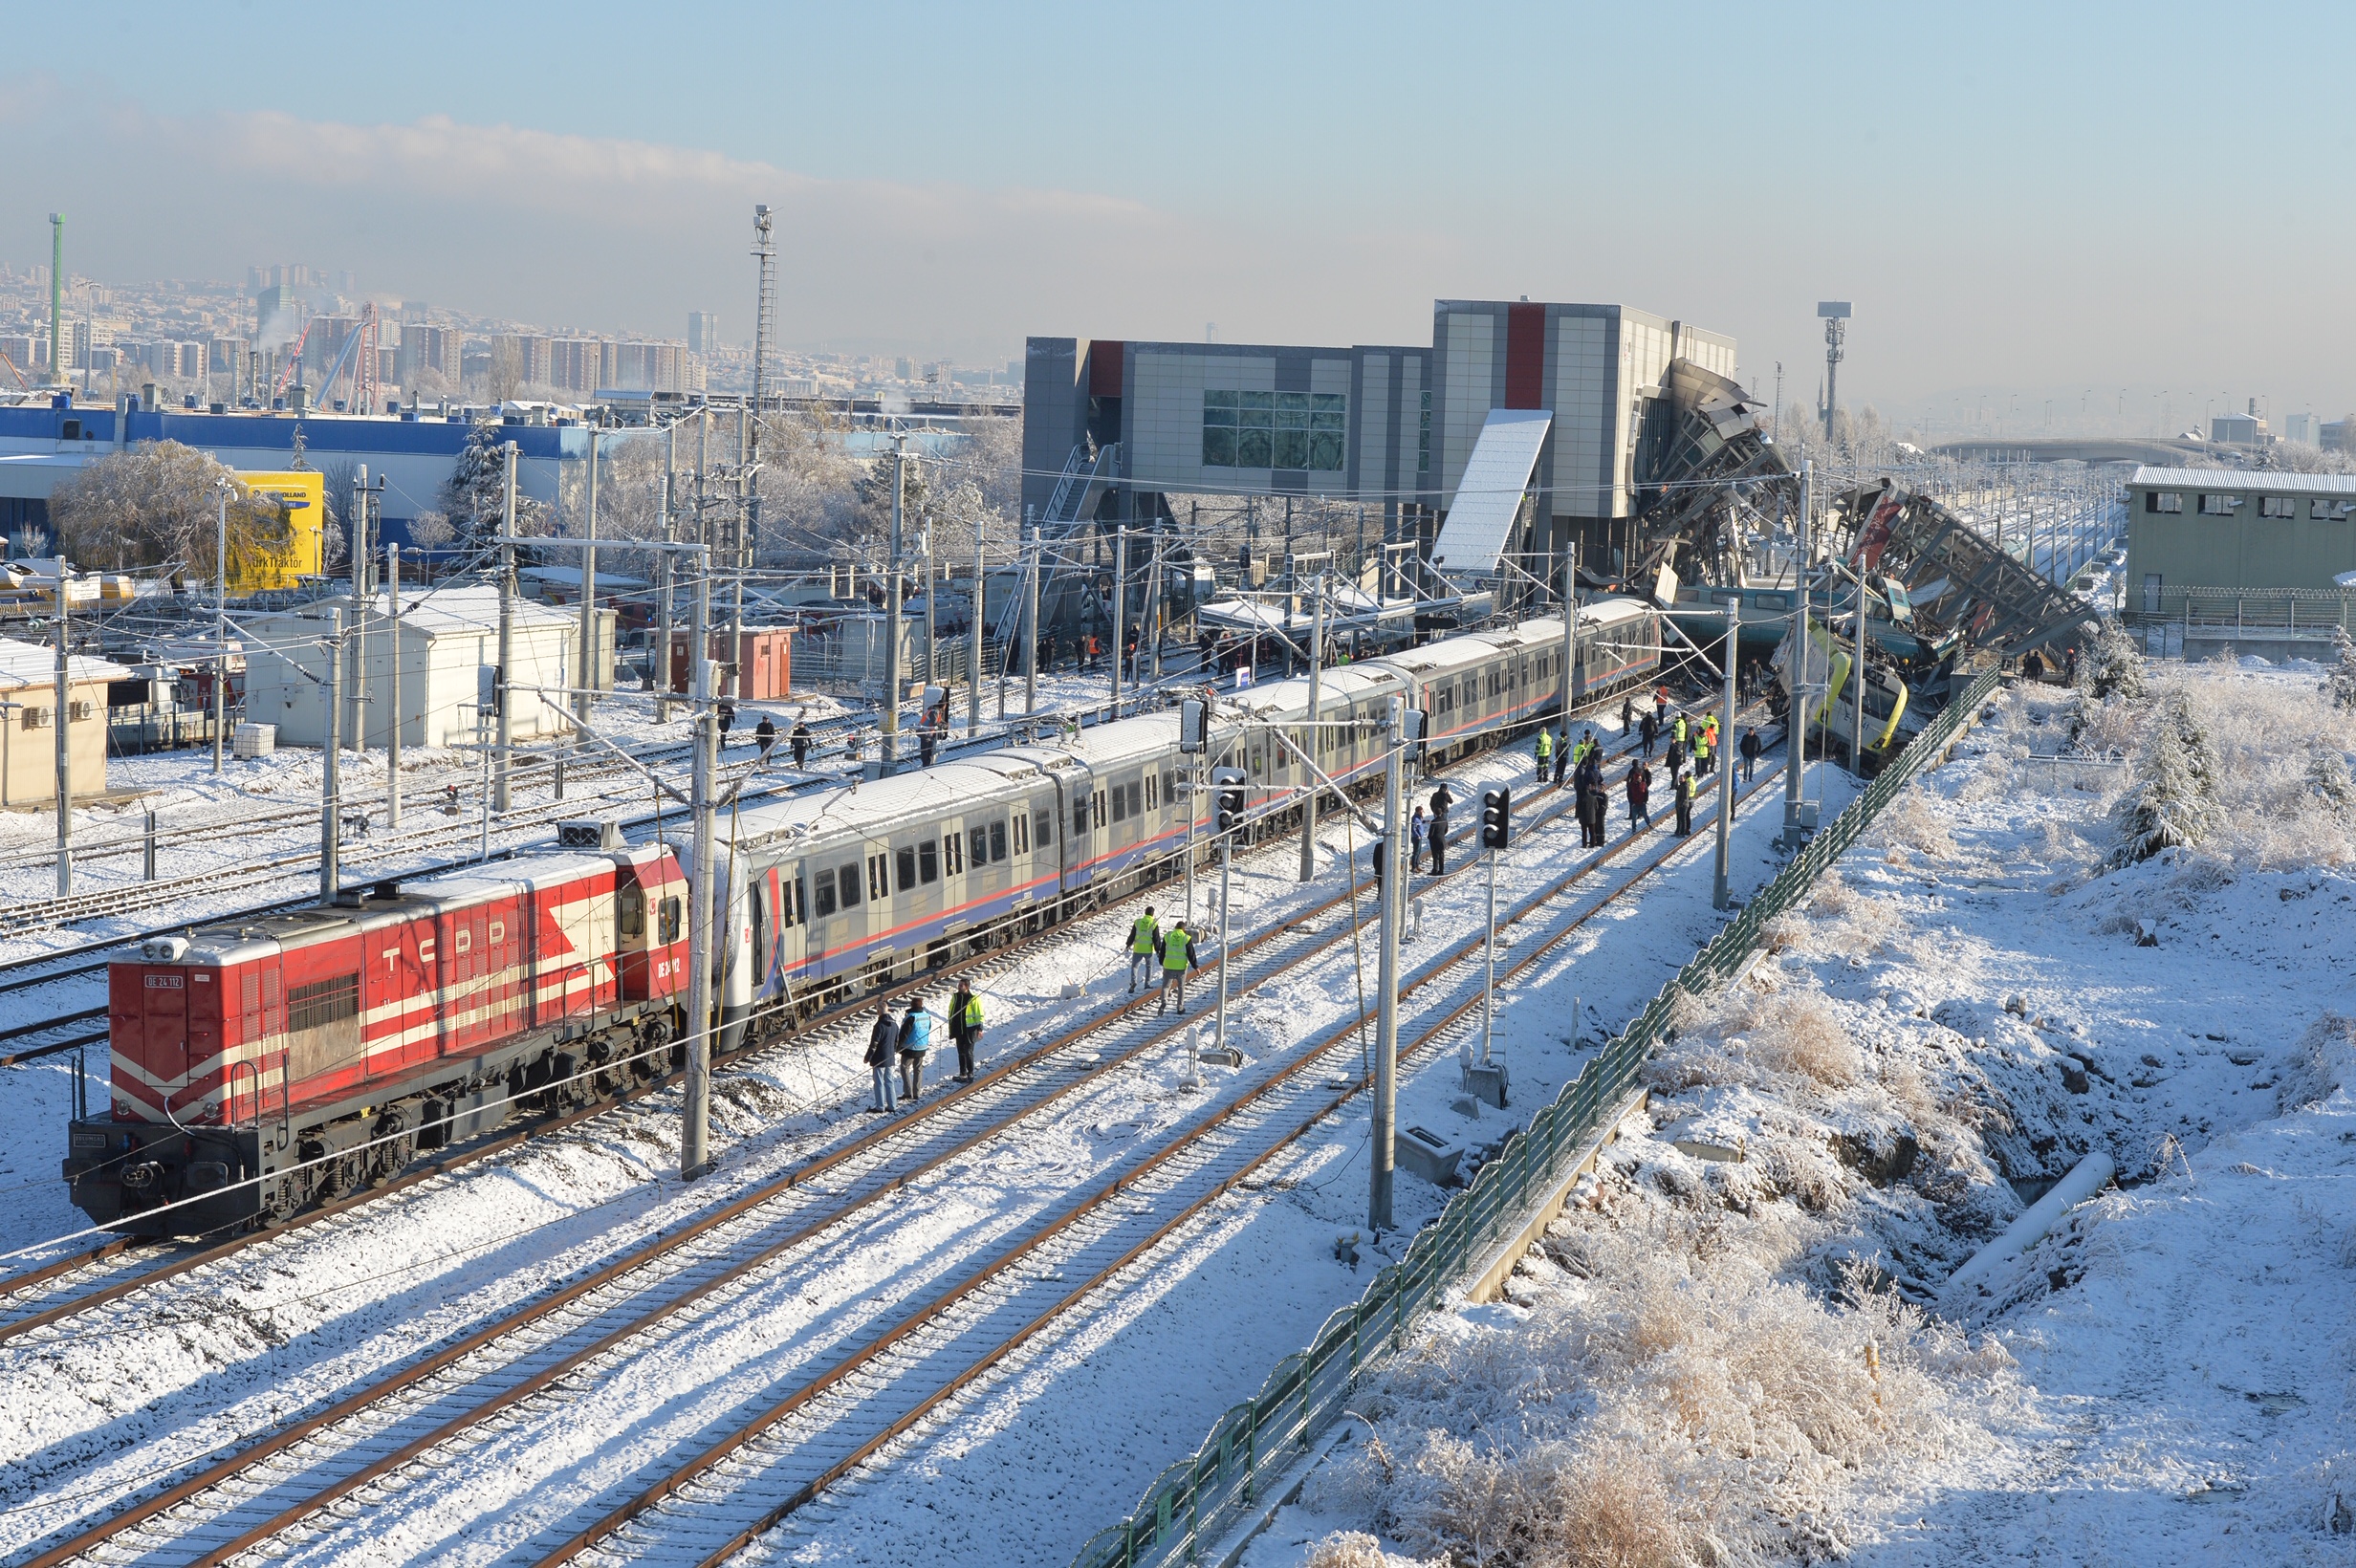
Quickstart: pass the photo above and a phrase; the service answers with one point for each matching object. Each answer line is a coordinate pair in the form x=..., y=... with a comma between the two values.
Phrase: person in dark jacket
x=1650, y=730
x=1640, y=795
x=1627, y=716
x=928, y=742
x=799, y=741
x=1675, y=757
x=1750, y=752
x=883, y=1044
x=1684, y=805
x=965, y=1027
x=1441, y=800
x=765, y=735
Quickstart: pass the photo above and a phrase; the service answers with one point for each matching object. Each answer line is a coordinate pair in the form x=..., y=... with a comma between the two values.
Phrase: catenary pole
x=220, y=620
x=392, y=691
x=891, y=612
x=505, y=736
x=1120, y=608
x=1387, y=1025
x=1720, y=895
x=330, y=776
x=586, y=676
x=61, y=721
x=355, y=545
x=1308, y=800
x=1795, y=667
x=695, y=1110
x=1031, y=621
x=974, y=641
x=663, y=574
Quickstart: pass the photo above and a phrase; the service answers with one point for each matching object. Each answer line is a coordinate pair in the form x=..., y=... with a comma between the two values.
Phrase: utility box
x=1486, y=1082
x=764, y=663
x=1424, y=1153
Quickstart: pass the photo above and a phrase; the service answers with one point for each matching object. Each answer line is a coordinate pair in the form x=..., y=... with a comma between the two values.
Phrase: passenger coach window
x=980, y=838
x=1121, y=802
x=903, y=861
x=952, y=852
x=879, y=882
x=1022, y=832
x=997, y=840
x=826, y=894
x=1079, y=815
x=927, y=863
x=1043, y=829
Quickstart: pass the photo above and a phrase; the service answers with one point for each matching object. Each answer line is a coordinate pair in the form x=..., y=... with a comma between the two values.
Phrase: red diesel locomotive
x=262, y=1066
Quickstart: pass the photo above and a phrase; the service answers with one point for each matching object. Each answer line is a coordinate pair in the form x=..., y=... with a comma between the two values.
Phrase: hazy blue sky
x=2059, y=200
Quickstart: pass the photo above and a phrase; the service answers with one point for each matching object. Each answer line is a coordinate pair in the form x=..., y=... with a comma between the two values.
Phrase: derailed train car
x=262, y=1067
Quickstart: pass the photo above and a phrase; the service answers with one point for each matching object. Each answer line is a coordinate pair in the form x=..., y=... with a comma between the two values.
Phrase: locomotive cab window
x=670, y=916
x=630, y=914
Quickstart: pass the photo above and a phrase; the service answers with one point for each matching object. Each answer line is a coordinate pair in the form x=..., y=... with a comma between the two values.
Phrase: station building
x=1114, y=428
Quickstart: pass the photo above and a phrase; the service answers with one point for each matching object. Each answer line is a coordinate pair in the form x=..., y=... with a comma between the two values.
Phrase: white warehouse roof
x=34, y=664
x=2244, y=479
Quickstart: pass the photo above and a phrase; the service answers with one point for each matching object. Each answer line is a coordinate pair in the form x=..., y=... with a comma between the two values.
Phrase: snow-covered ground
x=1752, y=1359
x=1021, y=1469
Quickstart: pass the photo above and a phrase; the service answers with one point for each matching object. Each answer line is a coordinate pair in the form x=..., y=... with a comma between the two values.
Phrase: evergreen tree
x=2340, y=683
x=2327, y=775
x=2174, y=801
x=2114, y=665
x=474, y=495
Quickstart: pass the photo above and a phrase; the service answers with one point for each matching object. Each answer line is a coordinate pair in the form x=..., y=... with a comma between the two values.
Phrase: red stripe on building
x=1104, y=360
x=1525, y=356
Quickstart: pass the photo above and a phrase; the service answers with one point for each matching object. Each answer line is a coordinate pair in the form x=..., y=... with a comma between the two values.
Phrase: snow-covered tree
x=2328, y=776
x=473, y=497
x=2340, y=683
x=2172, y=803
x=2114, y=665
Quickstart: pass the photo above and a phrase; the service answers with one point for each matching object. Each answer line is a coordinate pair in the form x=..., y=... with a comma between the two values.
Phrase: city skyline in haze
x=2113, y=208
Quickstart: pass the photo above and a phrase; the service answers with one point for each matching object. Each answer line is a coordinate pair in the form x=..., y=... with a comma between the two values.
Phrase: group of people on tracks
x=898, y=1046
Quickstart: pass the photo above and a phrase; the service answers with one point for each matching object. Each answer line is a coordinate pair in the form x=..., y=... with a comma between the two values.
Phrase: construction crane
x=293, y=362
x=362, y=342
x=21, y=385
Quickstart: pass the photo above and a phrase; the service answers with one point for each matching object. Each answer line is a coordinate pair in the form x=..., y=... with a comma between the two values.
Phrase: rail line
x=549, y=1341
x=75, y=1284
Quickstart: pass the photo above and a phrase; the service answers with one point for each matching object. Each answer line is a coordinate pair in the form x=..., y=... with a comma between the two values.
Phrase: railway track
x=269, y=1488
x=95, y=1277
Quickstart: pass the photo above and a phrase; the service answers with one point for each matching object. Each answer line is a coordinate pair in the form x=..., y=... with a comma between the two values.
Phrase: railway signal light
x=1228, y=808
x=1496, y=817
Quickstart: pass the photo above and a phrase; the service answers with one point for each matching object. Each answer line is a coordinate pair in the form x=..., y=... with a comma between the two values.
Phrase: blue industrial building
x=42, y=444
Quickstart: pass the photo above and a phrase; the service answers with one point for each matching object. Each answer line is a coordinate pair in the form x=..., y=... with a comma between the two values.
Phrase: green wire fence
x=1201, y=1498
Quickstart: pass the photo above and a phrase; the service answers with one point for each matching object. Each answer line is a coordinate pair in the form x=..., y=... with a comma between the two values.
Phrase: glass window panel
x=1256, y=418
x=998, y=841
x=826, y=897
x=1329, y=422
x=1325, y=450
x=1219, y=447
x=927, y=863
x=1298, y=401
x=1212, y=417
x=1251, y=449
x=1292, y=449
x=1218, y=400
x=1329, y=403
x=1292, y=419
x=980, y=855
x=846, y=878
x=1255, y=400
x=904, y=869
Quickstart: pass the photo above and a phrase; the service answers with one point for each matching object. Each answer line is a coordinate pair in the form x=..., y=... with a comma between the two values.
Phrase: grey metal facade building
x=1117, y=428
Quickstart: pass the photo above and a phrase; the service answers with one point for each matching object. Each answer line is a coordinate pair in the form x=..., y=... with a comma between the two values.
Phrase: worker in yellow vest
x=1144, y=941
